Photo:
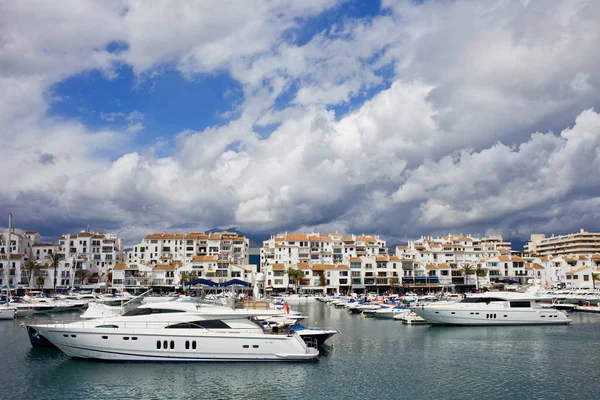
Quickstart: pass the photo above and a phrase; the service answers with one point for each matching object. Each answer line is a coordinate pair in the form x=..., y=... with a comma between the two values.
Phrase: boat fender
x=587, y=303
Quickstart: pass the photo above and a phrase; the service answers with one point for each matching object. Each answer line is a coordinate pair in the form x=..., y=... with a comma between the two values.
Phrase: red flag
x=286, y=308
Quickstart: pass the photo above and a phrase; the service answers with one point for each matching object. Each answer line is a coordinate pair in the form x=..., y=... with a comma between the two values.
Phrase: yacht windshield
x=207, y=324
x=148, y=311
x=480, y=299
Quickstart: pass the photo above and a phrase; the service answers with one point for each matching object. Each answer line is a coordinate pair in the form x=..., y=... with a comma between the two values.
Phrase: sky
x=396, y=118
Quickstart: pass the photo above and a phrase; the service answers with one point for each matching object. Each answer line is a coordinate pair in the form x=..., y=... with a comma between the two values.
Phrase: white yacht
x=494, y=308
x=175, y=331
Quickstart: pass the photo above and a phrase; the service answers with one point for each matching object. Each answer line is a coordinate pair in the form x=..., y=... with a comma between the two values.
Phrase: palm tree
x=187, y=277
x=479, y=273
x=393, y=283
x=55, y=259
x=322, y=280
x=467, y=269
x=296, y=276
x=595, y=277
x=31, y=266
x=82, y=275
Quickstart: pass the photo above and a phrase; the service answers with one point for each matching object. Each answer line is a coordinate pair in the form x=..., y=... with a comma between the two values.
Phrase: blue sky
x=169, y=102
x=398, y=118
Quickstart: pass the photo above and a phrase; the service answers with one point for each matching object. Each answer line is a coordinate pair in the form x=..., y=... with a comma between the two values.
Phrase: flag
x=286, y=308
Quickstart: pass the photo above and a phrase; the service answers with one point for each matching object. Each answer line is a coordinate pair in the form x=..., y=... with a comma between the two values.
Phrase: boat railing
x=115, y=326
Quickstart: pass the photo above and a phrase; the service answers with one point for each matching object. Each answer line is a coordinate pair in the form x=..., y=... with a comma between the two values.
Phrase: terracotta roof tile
x=278, y=267
x=204, y=258
x=164, y=267
x=576, y=270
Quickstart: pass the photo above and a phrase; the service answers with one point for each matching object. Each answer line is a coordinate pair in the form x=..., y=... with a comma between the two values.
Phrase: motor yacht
x=175, y=331
x=494, y=308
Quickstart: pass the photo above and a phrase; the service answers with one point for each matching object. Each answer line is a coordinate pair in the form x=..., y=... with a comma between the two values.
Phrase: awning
x=237, y=282
x=200, y=281
x=508, y=281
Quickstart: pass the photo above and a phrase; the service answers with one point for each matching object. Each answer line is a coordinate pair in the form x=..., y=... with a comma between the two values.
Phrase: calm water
x=370, y=359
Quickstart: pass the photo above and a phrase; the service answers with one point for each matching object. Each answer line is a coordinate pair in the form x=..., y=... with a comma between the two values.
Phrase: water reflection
x=370, y=359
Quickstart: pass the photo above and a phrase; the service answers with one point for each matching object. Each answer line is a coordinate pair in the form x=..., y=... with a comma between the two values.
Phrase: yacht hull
x=491, y=316
x=7, y=313
x=187, y=346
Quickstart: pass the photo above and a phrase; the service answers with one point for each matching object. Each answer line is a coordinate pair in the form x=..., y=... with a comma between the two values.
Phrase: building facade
x=329, y=263
x=583, y=242
x=160, y=248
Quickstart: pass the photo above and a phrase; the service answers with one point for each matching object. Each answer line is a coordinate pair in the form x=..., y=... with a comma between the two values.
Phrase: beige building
x=574, y=243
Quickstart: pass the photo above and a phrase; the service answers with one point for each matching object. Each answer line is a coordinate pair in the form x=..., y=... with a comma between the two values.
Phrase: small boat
x=412, y=319
x=386, y=312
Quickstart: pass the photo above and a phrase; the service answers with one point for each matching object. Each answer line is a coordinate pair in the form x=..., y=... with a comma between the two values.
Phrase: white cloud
x=445, y=143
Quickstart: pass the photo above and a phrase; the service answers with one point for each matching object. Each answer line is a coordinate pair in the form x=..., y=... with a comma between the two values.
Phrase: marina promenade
x=369, y=359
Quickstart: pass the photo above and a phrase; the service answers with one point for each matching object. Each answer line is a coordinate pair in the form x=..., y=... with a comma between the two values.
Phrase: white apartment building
x=101, y=250
x=20, y=243
x=294, y=248
x=39, y=251
x=13, y=266
x=137, y=275
x=439, y=260
x=574, y=243
x=161, y=248
x=572, y=271
x=96, y=253
x=330, y=262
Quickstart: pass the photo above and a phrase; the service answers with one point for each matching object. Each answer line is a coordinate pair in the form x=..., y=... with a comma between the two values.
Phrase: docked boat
x=410, y=318
x=313, y=336
x=494, y=308
x=387, y=312
x=7, y=312
x=175, y=331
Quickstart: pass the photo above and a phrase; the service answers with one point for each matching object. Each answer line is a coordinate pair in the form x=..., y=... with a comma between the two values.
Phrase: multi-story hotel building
x=160, y=248
x=574, y=243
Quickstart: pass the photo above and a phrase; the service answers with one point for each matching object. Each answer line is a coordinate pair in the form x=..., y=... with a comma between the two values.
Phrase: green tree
x=467, y=269
x=83, y=275
x=30, y=266
x=479, y=273
x=40, y=282
x=55, y=259
x=295, y=276
x=187, y=277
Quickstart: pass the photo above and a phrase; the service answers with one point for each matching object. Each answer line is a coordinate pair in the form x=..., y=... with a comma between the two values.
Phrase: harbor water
x=369, y=359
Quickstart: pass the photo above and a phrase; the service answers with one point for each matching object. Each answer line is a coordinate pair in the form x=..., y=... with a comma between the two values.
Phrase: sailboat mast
x=8, y=248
